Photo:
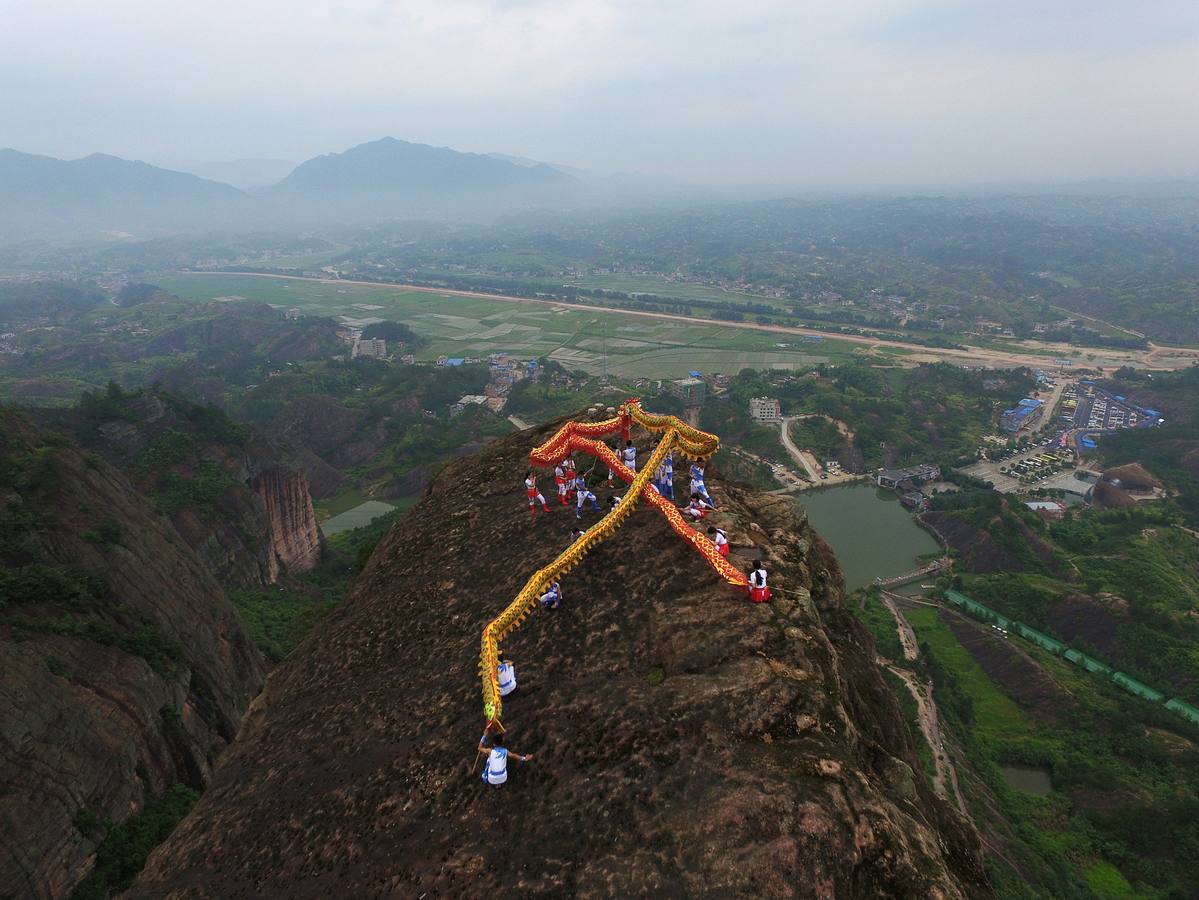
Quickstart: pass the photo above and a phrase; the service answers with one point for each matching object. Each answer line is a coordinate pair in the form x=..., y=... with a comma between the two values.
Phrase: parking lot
x=1034, y=465
x=1097, y=410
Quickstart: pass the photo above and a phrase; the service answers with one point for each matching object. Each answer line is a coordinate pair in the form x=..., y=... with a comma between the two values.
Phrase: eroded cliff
x=687, y=742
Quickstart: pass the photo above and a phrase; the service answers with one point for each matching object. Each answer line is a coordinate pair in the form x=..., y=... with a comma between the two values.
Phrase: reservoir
x=871, y=533
x=1028, y=779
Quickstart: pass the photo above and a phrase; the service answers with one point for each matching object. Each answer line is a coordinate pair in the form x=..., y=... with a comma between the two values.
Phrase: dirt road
x=907, y=637
x=926, y=708
x=1154, y=357
x=931, y=726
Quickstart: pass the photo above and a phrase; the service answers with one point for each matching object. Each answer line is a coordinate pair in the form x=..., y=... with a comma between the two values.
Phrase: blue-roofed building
x=694, y=374
x=455, y=361
x=1022, y=415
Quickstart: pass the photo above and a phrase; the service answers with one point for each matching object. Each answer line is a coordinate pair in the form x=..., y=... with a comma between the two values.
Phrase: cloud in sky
x=799, y=94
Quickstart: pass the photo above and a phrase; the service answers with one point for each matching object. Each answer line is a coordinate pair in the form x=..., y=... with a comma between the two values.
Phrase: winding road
x=796, y=453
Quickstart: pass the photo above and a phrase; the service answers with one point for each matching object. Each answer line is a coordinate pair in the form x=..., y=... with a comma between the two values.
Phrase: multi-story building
x=375, y=347
x=1023, y=415
x=689, y=390
x=765, y=409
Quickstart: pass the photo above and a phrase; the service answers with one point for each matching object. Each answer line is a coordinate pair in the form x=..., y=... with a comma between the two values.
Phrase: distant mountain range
x=106, y=193
x=381, y=179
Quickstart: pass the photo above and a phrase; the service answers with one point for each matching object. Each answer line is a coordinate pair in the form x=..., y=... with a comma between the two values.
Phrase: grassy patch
x=1123, y=796
x=1108, y=884
x=878, y=620
x=911, y=714
x=995, y=714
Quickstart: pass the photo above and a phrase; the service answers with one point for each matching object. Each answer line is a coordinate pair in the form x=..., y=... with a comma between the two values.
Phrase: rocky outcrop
x=251, y=535
x=687, y=742
x=295, y=539
x=123, y=666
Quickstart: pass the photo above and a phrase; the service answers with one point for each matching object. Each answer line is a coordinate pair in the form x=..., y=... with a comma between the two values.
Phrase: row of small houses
x=1056, y=647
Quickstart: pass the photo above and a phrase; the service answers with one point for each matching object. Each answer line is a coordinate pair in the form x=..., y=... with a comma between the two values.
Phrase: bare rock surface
x=261, y=524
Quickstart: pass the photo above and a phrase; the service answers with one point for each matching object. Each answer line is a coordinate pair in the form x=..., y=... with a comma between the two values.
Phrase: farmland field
x=457, y=326
x=653, y=284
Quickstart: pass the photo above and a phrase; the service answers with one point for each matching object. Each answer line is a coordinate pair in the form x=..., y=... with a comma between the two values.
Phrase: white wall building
x=376, y=347
x=765, y=409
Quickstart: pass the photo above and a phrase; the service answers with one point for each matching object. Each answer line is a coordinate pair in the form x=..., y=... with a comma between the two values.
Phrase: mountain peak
x=686, y=741
x=389, y=177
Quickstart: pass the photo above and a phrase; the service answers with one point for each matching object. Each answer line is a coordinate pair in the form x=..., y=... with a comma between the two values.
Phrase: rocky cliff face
x=254, y=533
x=687, y=742
x=295, y=539
x=123, y=666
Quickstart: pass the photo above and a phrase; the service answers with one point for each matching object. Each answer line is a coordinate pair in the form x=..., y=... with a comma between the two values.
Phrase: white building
x=765, y=409
x=376, y=347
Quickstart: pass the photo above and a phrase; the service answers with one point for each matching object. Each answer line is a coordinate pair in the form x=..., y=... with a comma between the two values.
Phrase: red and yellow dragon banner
x=584, y=437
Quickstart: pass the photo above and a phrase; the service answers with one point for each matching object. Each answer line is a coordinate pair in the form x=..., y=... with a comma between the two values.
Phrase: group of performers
x=573, y=490
x=572, y=487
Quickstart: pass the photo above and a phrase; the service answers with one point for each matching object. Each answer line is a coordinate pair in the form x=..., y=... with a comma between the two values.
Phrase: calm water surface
x=872, y=535
x=360, y=515
x=1028, y=779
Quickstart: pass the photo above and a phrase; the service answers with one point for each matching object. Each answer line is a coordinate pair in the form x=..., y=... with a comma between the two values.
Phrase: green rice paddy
x=456, y=326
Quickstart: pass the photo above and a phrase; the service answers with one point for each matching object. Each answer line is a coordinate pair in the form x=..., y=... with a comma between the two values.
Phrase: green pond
x=871, y=533
x=1030, y=779
x=360, y=515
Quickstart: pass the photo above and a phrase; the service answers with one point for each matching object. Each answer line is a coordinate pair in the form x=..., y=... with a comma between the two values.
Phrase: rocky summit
x=686, y=741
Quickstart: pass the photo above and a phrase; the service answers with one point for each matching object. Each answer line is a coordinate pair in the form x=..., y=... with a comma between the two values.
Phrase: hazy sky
x=798, y=94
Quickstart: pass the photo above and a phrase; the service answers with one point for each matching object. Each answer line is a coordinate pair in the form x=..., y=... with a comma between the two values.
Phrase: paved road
x=1156, y=357
x=1048, y=419
x=796, y=454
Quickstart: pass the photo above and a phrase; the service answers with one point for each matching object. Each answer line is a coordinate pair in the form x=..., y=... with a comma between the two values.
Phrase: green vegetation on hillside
x=931, y=413
x=1125, y=783
x=123, y=851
